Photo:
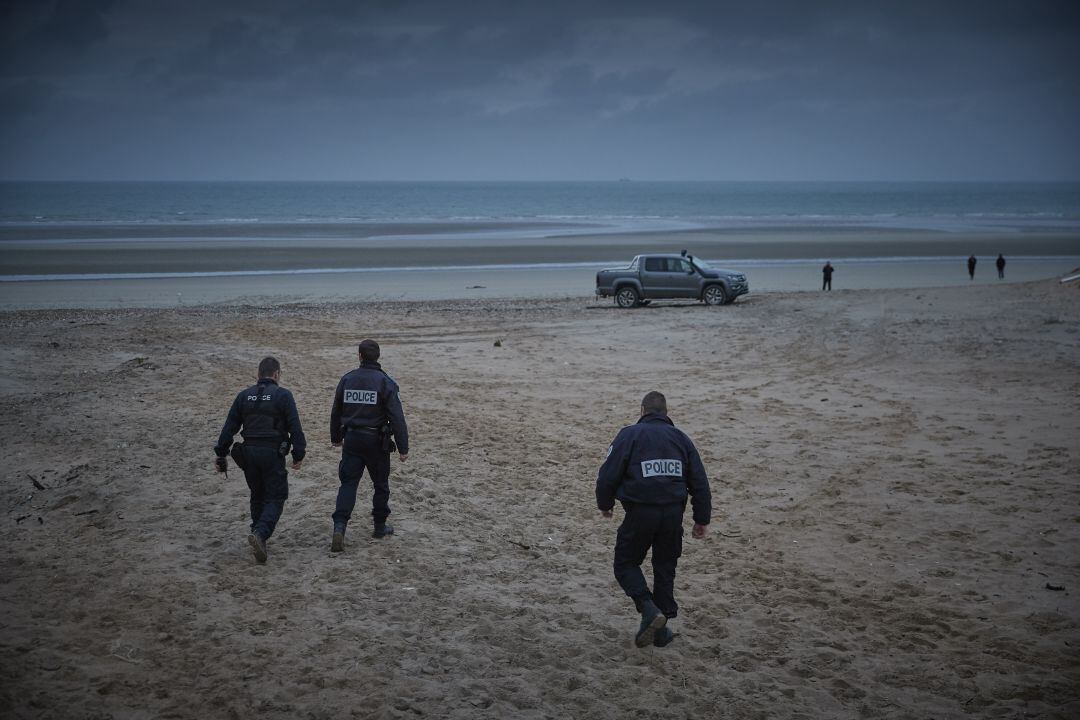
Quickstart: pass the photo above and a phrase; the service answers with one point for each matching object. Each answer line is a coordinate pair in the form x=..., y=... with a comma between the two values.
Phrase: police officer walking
x=271, y=424
x=651, y=468
x=366, y=413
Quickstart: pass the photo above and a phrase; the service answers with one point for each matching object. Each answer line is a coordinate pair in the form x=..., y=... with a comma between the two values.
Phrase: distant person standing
x=971, y=267
x=652, y=467
x=271, y=425
x=1001, y=266
x=826, y=276
x=366, y=413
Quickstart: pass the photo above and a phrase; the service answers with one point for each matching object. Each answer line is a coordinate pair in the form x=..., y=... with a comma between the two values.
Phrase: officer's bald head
x=654, y=402
x=369, y=350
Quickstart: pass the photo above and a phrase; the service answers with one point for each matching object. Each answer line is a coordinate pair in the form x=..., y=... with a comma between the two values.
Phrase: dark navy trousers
x=363, y=451
x=658, y=527
x=268, y=481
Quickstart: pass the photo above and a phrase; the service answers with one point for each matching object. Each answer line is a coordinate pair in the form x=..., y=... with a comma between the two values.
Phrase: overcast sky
x=546, y=89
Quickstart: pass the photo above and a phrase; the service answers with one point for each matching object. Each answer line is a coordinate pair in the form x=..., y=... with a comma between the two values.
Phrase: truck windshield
x=700, y=264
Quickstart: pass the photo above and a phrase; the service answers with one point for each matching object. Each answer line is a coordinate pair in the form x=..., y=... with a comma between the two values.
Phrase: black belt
x=365, y=428
x=263, y=442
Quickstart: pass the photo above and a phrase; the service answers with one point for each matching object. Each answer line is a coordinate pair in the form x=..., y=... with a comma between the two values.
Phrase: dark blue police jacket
x=365, y=400
x=268, y=415
x=654, y=463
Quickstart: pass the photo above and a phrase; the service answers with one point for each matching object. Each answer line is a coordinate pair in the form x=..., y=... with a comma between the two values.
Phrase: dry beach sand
x=896, y=530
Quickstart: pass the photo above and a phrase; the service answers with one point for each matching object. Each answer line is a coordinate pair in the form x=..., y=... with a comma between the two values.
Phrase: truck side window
x=655, y=264
x=684, y=266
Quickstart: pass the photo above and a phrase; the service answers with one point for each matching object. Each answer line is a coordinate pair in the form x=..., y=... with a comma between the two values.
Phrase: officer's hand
x=221, y=464
x=607, y=513
x=336, y=444
x=699, y=531
x=296, y=465
x=403, y=456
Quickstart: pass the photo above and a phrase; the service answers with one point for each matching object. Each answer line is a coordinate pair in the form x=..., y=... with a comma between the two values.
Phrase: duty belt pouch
x=237, y=453
x=388, y=445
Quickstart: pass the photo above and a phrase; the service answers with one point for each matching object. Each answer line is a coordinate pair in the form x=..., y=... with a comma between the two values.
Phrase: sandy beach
x=895, y=482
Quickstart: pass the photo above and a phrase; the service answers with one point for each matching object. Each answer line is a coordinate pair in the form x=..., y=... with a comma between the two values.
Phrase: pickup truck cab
x=650, y=277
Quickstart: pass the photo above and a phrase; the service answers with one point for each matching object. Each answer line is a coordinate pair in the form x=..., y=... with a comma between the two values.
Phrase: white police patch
x=653, y=468
x=362, y=397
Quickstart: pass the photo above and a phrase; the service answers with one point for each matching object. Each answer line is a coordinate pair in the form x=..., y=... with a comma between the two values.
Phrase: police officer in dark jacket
x=366, y=414
x=651, y=468
x=271, y=425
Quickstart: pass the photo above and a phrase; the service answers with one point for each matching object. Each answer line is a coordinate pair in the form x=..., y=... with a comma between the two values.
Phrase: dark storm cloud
x=397, y=55
x=524, y=89
x=39, y=41
x=73, y=24
x=35, y=29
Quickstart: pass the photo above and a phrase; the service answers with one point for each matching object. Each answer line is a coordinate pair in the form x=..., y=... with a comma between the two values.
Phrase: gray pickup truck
x=650, y=277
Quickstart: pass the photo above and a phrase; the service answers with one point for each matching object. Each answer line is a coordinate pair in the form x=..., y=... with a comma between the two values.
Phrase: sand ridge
x=894, y=478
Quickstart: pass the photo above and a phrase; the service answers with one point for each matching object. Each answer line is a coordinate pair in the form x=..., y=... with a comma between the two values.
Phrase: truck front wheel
x=627, y=297
x=715, y=295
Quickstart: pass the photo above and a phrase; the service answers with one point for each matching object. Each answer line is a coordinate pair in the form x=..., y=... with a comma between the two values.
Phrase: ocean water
x=620, y=206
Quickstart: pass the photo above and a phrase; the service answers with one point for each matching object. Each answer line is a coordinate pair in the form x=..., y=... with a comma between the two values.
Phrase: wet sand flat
x=482, y=283
x=454, y=245
x=444, y=264
x=895, y=482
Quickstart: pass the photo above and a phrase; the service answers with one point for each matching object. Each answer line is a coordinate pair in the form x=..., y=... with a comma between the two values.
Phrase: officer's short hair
x=268, y=367
x=369, y=350
x=654, y=402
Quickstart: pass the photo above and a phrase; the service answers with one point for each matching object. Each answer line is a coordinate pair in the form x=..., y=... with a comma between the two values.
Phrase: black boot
x=651, y=621
x=258, y=547
x=383, y=530
x=663, y=637
x=337, y=542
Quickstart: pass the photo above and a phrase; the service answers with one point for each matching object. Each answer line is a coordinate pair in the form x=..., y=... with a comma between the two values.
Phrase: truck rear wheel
x=627, y=297
x=715, y=295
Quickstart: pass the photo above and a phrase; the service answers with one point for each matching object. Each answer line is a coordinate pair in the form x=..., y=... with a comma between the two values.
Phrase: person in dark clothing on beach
x=366, y=413
x=971, y=267
x=1000, y=266
x=652, y=467
x=271, y=424
x=826, y=273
